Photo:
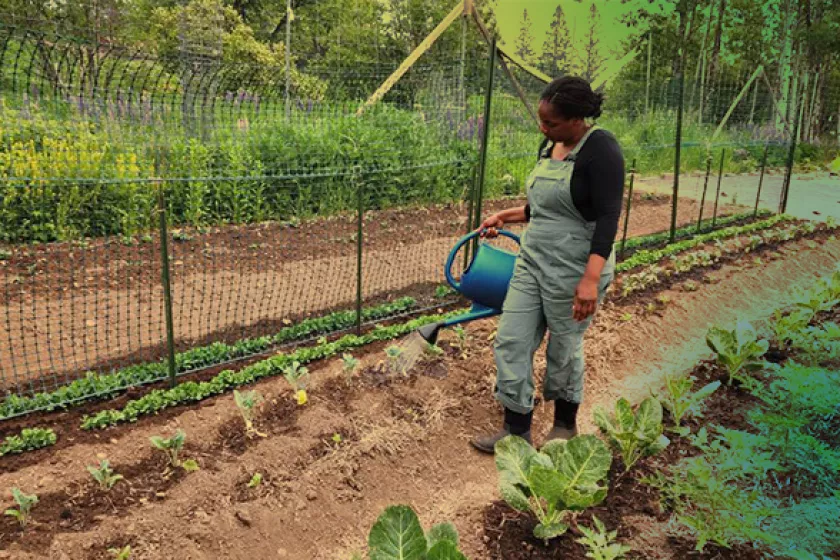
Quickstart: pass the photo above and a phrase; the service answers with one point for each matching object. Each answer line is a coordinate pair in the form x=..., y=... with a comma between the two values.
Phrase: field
x=372, y=436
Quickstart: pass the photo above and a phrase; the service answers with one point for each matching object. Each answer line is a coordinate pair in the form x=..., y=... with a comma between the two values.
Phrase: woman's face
x=555, y=127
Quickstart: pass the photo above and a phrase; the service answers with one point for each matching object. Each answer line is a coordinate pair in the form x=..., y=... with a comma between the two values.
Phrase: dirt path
x=69, y=308
x=401, y=443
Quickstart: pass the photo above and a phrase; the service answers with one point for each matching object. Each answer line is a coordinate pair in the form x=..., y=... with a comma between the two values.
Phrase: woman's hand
x=489, y=227
x=586, y=298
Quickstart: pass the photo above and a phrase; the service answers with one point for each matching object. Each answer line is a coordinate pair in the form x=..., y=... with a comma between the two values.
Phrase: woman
x=565, y=263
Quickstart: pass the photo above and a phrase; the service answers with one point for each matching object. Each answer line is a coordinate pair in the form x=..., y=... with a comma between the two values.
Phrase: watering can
x=485, y=281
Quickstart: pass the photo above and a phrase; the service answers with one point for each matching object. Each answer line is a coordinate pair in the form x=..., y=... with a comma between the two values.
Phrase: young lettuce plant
x=171, y=446
x=298, y=378
x=349, y=365
x=398, y=535
x=24, y=506
x=601, y=544
x=104, y=475
x=633, y=435
x=394, y=353
x=123, y=553
x=246, y=402
x=738, y=350
x=680, y=401
x=564, y=476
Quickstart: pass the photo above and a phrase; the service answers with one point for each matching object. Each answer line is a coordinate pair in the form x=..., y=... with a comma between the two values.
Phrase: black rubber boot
x=515, y=424
x=565, y=420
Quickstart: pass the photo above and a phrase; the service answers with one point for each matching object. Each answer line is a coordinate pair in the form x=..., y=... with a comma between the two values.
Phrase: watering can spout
x=430, y=332
x=485, y=281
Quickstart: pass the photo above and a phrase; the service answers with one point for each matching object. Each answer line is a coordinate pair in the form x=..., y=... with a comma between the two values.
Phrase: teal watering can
x=485, y=282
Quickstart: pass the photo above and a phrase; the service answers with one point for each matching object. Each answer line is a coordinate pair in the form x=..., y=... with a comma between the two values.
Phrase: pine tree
x=592, y=59
x=557, y=57
x=524, y=42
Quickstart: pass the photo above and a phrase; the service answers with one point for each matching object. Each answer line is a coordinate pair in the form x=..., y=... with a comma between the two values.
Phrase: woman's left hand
x=586, y=299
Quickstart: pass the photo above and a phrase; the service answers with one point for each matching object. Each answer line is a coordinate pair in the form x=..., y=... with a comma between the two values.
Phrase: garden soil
x=330, y=468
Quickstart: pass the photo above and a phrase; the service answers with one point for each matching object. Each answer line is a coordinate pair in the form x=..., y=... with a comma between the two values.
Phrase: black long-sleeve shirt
x=597, y=187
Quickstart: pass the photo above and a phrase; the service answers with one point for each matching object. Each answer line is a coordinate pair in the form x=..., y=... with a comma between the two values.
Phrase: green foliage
x=255, y=481
x=298, y=378
x=564, y=476
x=633, y=435
x=737, y=350
x=191, y=391
x=601, y=544
x=171, y=446
x=705, y=493
x=394, y=354
x=28, y=440
x=24, y=506
x=398, y=535
x=123, y=553
x=93, y=385
x=246, y=402
x=104, y=475
x=808, y=527
x=680, y=401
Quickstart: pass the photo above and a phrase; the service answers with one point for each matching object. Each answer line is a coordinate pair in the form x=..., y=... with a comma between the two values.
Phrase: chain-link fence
x=219, y=210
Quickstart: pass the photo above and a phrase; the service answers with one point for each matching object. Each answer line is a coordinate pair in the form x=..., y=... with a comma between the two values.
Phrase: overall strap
x=573, y=154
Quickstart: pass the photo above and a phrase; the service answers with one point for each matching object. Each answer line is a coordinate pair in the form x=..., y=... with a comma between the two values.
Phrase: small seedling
x=680, y=401
x=246, y=402
x=394, y=352
x=255, y=481
x=663, y=299
x=650, y=307
x=690, y=286
x=104, y=475
x=171, y=446
x=434, y=350
x=190, y=465
x=180, y=235
x=600, y=543
x=298, y=377
x=337, y=438
x=442, y=291
x=24, y=503
x=626, y=317
x=349, y=364
x=123, y=553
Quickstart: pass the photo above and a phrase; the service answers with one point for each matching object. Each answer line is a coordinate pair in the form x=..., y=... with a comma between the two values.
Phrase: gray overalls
x=552, y=259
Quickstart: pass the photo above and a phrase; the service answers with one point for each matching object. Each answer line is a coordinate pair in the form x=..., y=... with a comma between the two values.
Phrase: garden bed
x=330, y=467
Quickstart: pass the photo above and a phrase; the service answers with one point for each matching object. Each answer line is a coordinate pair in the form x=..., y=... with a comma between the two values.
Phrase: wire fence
x=150, y=206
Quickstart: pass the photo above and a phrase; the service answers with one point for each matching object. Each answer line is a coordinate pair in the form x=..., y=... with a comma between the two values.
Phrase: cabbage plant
x=398, y=535
x=564, y=476
x=738, y=349
x=633, y=435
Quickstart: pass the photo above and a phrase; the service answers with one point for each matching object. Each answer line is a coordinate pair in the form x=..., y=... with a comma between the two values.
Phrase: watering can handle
x=447, y=269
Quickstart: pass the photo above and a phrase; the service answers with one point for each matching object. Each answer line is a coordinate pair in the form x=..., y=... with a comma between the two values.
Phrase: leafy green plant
x=298, y=378
x=815, y=300
x=256, y=480
x=394, y=353
x=564, y=476
x=738, y=349
x=398, y=535
x=601, y=544
x=191, y=391
x=434, y=350
x=24, y=502
x=171, y=446
x=349, y=365
x=443, y=291
x=633, y=435
x=103, y=385
x=247, y=402
x=123, y=553
x=28, y=440
x=680, y=401
x=104, y=475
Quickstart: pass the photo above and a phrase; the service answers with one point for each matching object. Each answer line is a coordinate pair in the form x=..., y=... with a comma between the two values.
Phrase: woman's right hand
x=489, y=227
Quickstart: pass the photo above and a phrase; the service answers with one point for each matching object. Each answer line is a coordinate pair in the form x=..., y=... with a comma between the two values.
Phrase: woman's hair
x=572, y=98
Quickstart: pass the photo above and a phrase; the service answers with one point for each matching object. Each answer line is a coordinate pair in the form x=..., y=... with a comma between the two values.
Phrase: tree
x=524, y=41
x=592, y=58
x=558, y=49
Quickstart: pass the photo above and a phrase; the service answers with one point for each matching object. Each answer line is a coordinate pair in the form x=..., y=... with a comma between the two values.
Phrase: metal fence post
x=717, y=196
x=705, y=188
x=678, y=147
x=485, y=136
x=761, y=179
x=790, y=161
x=359, y=246
x=167, y=286
x=627, y=211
